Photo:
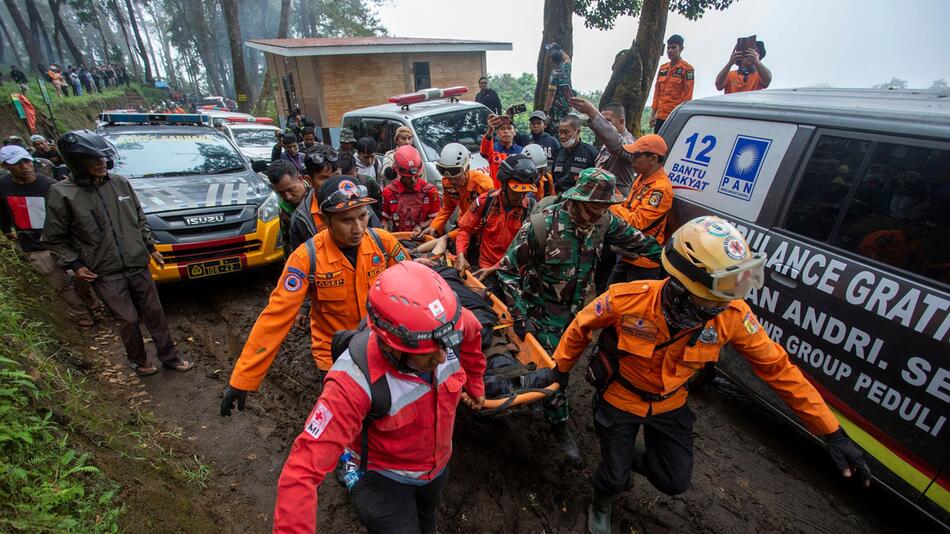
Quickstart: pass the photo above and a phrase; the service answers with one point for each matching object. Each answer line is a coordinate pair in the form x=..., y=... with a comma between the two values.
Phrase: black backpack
x=380, y=401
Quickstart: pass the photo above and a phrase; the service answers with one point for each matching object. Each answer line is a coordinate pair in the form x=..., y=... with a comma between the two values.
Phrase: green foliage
x=46, y=485
x=601, y=14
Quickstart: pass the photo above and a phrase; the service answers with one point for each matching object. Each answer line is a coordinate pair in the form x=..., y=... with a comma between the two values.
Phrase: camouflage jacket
x=551, y=286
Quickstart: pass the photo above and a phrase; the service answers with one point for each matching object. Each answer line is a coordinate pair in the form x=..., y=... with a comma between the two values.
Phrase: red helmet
x=413, y=309
x=407, y=161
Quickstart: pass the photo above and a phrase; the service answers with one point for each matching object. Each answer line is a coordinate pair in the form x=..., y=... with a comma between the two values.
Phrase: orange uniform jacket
x=477, y=183
x=646, y=209
x=633, y=310
x=496, y=234
x=545, y=185
x=737, y=83
x=338, y=302
x=674, y=85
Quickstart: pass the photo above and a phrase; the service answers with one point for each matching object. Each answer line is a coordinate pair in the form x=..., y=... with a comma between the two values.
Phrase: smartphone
x=745, y=43
x=566, y=91
x=514, y=110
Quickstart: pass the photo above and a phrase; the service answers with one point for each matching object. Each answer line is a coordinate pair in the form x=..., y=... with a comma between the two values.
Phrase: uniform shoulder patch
x=689, y=74
x=318, y=421
x=293, y=281
x=750, y=323
x=655, y=198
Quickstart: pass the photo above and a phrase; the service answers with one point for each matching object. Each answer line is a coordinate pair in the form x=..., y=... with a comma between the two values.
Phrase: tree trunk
x=143, y=53
x=120, y=19
x=233, y=23
x=634, y=68
x=30, y=40
x=148, y=39
x=162, y=28
x=267, y=87
x=14, y=53
x=203, y=44
x=60, y=27
x=39, y=30
x=558, y=28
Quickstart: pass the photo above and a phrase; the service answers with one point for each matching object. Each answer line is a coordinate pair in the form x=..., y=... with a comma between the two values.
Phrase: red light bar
x=264, y=120
x=428, y=94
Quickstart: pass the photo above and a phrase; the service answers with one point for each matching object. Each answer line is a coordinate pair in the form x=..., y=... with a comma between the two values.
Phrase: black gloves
x=230, y=395
x=560, y=377
x=524, y=327
x=847, y=457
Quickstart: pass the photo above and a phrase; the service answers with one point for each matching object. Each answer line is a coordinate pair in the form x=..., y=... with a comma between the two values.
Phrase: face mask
x=569, y=143
x=679, y=310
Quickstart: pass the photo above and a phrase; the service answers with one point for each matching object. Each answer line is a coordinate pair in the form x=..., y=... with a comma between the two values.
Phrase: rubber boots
x=598, y=513
x=565, y=438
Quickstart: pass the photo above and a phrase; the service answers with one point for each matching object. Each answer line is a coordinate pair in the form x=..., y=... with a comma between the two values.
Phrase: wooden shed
x=326, y=77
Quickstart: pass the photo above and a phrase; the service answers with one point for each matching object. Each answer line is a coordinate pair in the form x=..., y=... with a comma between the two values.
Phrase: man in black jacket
x=488, y=97
x=575, y=155
x=95, y=225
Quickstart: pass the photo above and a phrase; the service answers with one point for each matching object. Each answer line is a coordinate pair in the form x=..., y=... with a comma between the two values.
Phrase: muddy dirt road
x=752, y=474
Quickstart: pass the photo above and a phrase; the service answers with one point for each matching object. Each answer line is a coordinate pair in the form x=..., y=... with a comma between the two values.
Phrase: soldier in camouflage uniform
x=548, y=271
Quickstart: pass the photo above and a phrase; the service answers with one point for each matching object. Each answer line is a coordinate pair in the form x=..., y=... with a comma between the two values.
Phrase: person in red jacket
x=428, y=348
x=410, y=203
x=496, y=149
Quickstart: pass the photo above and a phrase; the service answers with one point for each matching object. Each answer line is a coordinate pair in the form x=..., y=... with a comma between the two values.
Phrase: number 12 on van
x=745, y=162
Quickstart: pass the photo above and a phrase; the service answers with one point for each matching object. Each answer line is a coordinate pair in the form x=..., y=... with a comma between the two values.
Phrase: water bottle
x=351, y=470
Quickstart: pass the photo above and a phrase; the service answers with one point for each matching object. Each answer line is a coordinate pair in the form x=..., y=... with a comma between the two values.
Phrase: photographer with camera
x=559, y=87
x=751, y=75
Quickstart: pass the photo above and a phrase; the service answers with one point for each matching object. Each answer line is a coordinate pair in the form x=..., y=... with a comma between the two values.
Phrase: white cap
x=14, y=154
x=36, y=137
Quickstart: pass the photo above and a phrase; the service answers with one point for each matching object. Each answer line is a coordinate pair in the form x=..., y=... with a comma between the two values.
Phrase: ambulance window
x=825, y=183
x=899, y=214
x=382, y=130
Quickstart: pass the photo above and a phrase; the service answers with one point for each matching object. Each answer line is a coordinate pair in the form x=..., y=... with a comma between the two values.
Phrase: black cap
x=353, y=194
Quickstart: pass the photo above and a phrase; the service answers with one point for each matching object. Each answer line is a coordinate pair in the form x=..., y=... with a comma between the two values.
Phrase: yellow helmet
x=712, y=260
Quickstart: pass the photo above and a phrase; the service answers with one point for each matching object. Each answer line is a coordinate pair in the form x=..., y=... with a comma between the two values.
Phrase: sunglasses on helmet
x=317, y=158
x=449, y=172
x=731, y=283
x=345, y=195
x=445, y=335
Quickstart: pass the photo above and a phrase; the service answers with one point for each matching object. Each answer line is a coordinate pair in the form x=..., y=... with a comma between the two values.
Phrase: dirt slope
x=752, y=474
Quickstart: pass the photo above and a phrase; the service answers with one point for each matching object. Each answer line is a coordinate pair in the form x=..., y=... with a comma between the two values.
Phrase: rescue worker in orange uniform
x=495, y=218
x=387, y=411
x=496, y=150
x=461, y=185
x=674, y=83
x=646, y=206
x=336, y=268
x=751, y=75
x=656, y=335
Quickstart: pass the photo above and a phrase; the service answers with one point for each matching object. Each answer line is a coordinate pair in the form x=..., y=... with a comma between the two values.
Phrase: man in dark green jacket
x=96, y=227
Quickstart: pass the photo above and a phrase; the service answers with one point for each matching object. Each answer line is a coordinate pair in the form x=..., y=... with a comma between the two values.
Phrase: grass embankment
x=78, y=454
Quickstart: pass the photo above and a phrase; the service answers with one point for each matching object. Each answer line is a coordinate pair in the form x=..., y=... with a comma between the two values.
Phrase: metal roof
x=326, y=46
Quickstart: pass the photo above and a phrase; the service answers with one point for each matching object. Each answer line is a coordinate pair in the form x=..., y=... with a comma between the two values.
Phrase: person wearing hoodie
x=96, y=227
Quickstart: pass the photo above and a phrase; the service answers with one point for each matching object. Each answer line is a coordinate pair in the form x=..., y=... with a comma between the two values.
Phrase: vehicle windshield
x=144, y=155
x=210, y=101
x=464, y=126
x=256, y=137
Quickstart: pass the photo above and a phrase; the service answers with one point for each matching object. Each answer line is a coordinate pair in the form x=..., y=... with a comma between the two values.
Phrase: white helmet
x=537, y=155
x=454, y=155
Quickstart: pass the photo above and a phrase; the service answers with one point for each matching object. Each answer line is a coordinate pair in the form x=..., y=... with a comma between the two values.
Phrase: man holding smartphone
x=751, y=75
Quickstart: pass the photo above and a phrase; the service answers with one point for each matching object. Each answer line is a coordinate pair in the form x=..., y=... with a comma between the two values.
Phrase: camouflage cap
x=346, y=136
x=595, y=185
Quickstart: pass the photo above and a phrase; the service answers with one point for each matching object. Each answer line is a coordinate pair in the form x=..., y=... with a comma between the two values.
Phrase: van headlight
x=269, y=209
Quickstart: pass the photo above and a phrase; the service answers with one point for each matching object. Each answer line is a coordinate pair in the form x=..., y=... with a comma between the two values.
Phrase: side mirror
x=258, y=165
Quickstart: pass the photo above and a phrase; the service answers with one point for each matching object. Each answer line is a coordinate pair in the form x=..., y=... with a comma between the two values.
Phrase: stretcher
x=529, y=352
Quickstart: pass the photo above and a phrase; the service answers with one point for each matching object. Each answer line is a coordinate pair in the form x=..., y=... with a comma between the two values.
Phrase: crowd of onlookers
x=76, y=81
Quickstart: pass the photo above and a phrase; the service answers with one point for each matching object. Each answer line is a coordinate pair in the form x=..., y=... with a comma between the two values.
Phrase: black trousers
x=658, y=124
x=133, y=298
x=668, y=460
x=626, y=272
x=387, y=507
